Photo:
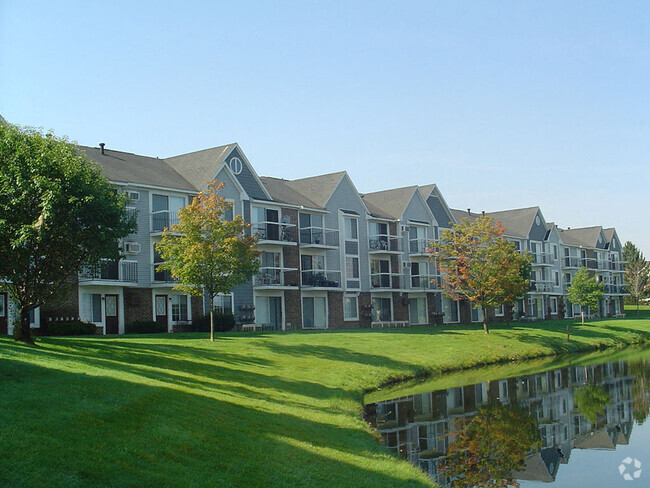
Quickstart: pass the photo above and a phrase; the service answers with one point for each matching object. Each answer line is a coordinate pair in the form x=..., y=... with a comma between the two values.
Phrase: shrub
x=223, y=322
x=71, y=328
x=145, y=327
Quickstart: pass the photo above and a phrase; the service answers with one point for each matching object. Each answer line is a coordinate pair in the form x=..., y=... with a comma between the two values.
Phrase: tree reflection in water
x=490, y=446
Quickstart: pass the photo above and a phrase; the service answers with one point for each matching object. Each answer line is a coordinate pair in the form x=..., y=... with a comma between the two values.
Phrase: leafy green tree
x=57, y=213
x=489, y=446
x=591, y=401
x=638, y=273
x=479, y=265
x=584, y=291
x=206, y=252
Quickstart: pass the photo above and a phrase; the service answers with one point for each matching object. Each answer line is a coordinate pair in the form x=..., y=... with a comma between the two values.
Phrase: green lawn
x=278, y=409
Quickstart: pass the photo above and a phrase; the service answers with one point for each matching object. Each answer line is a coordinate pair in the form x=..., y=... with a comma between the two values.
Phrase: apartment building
x=330, y=256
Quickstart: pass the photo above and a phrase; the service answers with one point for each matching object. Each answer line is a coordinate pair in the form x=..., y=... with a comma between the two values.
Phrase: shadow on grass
x=70, y=429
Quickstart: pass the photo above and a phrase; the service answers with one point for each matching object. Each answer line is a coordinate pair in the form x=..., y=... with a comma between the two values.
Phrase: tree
x=489, y=446
x=638, y=273
x=584, y=291
x=481, y=266
x=57, y=213
x=206, y=252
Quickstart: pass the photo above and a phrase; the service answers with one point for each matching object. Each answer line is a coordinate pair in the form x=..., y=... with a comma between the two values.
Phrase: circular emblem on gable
x=600, y=239
x=614, y=243
x=537, y=220
x=235, y=165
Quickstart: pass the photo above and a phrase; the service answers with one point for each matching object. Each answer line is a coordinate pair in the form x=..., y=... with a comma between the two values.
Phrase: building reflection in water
x=583, y=407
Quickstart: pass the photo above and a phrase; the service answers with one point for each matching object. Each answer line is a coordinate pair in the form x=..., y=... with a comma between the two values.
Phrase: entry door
x=112, y=323
x=161, y=309
x=275, y=312
x=4, y=322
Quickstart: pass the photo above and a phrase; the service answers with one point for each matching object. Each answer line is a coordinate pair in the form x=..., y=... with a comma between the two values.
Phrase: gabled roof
x=199, y=167
x=281, y=191
x=125, y=167
x=463, y=214
x=584, y=236
x=319, y=188
x=389, y=204
x=440, y=209
x=517, y=222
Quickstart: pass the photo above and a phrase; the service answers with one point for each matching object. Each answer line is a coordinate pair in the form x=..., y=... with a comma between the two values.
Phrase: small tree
x=57, y=213
x=584, y=291
x=638, y=273
x=481, y=266
x=206, y=252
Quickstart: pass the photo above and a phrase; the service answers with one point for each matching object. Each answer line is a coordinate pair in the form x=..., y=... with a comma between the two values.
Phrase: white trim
x=355, y=296
x=152, y=187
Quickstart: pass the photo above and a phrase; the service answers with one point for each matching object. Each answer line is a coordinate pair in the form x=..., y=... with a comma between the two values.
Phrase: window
x=553, y=305
x=351, y=307
x=450, y=310
x=236, y=165
x=222, y=303
x=417, y=239
x=311, y=228
x=418, y=311
x=477, y=314
x=351, y=228
x=179, y=308
x=91, y=307
x=266, y=223
x=556, y=278
x=555, y=253
x=3, y=305
x=380, y=273
x=352, y=267
x=381, y=309
x=313, y=269
x=498, y=311
x=314, y=313
x=164, y=211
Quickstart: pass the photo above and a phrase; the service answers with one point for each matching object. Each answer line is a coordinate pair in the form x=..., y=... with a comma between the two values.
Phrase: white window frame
x=553, y=300
x=356, y=308
x=499, y=311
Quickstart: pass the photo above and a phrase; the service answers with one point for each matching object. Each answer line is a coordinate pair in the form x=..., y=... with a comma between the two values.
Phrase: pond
x=578, y=421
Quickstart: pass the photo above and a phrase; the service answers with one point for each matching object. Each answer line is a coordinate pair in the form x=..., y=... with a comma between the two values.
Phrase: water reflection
x=521, y=428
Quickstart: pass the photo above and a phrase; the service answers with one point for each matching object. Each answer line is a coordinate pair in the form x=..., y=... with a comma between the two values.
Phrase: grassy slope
x=247, y=410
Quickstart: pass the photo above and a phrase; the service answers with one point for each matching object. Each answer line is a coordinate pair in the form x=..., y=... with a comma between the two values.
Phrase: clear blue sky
x=502, y=104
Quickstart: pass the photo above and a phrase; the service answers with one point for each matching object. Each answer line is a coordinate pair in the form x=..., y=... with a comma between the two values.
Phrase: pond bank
x=250, y=409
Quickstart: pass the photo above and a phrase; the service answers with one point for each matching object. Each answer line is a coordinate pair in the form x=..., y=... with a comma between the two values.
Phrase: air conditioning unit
x=406, y=264
x=404, y=228
x=132, y=247
x=133, y=195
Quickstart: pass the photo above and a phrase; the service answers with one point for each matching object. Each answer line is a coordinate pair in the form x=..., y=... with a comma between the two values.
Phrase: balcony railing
x=383, y=243
x=319, y=236
x=321, y=279
x=272, y=276
x=163, y=220
x=542, y=285
x=571, y=262
x=542, y=258
x=161, y=276
x=614, y=289
x=419, y=246
x=424, y=282
x=124, y=271
x=275, y=231
x=385, y=280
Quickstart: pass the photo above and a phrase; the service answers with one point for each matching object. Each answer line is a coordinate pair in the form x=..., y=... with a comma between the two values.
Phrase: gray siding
x=247, y=178
x=439, y=212
x=230, y=191
x=538, y=231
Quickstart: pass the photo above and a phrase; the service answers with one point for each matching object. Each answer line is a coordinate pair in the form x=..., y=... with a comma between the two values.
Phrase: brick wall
x=292, y=309
x=65, y=304
x=365, y=313
x=335, y=312
x=138, y=304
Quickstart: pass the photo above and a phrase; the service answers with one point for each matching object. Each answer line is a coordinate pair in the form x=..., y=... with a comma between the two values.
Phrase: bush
x=71, y=328
x=145, y=327
x=223, y=322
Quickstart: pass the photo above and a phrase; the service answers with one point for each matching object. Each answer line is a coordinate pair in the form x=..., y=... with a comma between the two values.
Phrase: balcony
x=386, y=281
x=161, y=276
x=163, y=220
x=384, y=244
x=121, y=271
x=418, y=247
x=572, y=262
x=321, y=279
x=275, y=232
x=272, y=277
x=614, y=289
x=424, y=282
x=542, y=285
x=542, y=259
x=319, y=237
